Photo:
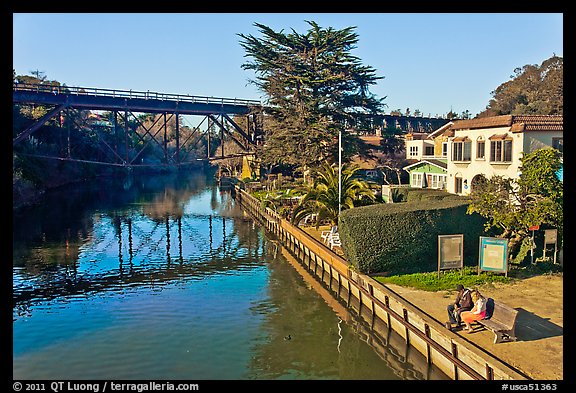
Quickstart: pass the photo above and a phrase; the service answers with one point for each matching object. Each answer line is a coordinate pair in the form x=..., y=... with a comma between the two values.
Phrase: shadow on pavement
x=530, y=327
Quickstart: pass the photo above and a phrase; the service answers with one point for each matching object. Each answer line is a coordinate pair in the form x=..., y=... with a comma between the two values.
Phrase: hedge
x=403, y=238
x=425, y=194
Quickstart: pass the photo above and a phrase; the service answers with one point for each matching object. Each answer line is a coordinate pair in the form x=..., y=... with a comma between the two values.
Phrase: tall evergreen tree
x=313, y=85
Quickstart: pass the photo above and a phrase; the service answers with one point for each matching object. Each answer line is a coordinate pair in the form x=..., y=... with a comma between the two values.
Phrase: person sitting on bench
x=462, y=303
x=478, y=311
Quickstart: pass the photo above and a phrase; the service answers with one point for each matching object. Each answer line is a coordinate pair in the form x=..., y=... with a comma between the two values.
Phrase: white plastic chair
x=334, y=241
x=326, y=234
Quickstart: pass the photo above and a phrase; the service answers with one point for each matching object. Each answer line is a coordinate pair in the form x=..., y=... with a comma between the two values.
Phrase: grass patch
x=540, y=268
x=447, y=281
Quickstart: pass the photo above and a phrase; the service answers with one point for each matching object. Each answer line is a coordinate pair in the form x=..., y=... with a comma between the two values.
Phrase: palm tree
x=322, y=197
x=277, y=201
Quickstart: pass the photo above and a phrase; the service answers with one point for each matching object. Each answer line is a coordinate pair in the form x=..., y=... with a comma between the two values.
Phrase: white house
x=494, y=145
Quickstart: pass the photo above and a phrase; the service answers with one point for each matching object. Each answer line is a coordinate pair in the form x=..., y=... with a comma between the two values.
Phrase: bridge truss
x=137, y=128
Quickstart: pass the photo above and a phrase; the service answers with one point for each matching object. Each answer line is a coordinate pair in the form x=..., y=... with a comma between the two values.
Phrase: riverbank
x=538, y=352
x=26, y=193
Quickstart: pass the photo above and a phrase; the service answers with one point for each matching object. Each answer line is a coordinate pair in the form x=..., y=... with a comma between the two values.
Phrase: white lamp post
x=339, y=171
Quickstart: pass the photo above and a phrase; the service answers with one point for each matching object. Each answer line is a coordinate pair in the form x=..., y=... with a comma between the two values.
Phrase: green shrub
x=260, y=194
x=454, y=197
x=432, y=197
x=403, y=238
x=425, y=194
x=523, y=254
x=400, y=194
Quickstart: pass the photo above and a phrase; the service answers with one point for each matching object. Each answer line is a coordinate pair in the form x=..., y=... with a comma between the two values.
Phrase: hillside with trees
x=533, y=90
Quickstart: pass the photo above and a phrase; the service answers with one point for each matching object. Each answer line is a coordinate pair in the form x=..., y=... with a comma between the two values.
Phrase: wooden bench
x=502, y=322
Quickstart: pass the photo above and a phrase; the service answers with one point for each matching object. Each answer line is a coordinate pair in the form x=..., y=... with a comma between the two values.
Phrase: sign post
x=493, y=255
x=551, y=237
x=450, y=252
x=533, y=228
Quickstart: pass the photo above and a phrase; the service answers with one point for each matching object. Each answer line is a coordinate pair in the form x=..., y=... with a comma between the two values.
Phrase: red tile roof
x=484, y=122
x=523, y=123
x=517, y=123
x=416, y=136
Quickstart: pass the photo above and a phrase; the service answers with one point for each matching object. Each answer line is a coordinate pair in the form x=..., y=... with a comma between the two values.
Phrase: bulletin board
x=493, y=255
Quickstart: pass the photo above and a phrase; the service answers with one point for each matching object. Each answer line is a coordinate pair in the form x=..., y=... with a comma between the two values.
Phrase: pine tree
x=313, y=85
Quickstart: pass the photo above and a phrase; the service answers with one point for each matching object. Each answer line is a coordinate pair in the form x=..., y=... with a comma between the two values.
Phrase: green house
x=429, y=173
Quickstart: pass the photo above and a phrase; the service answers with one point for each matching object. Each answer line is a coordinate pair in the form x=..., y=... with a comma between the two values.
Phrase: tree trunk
x=514, y=243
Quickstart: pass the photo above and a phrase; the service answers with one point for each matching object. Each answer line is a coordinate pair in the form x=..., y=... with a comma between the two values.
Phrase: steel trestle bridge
x=124, y=136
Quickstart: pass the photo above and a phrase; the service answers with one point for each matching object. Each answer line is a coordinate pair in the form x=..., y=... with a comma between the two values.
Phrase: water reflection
x=162, y=234
x=297, y=323
x=167, y=278
x=300, y=324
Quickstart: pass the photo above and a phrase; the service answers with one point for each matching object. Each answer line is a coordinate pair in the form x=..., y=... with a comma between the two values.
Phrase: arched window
x=477, y=181
x=480, y=148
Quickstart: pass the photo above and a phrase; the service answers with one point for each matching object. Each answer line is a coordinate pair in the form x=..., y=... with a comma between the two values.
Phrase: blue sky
x=433, y=62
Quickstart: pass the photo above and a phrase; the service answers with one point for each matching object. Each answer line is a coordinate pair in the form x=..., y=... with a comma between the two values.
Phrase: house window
x=501, y=151
x=458, y=185
x=461, y=151
x=480, y=149
x=417, y=179
x=429, y=150
x=444, y=149
x=558, y=143
x=438, y=182
x=413, y=151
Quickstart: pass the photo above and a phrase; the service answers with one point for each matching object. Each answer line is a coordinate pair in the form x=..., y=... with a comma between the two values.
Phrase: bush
x=400, y=194
x=403, y=238
x=523, y=254
x=424, y=194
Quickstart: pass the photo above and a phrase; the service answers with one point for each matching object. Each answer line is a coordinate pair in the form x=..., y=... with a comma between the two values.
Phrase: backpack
x=489, y=308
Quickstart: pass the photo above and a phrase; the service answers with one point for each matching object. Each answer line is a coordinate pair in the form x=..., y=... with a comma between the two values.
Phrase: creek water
x=165, y=277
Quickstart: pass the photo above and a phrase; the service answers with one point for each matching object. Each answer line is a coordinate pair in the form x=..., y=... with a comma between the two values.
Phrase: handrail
x=147, y=95
x=413, y=329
